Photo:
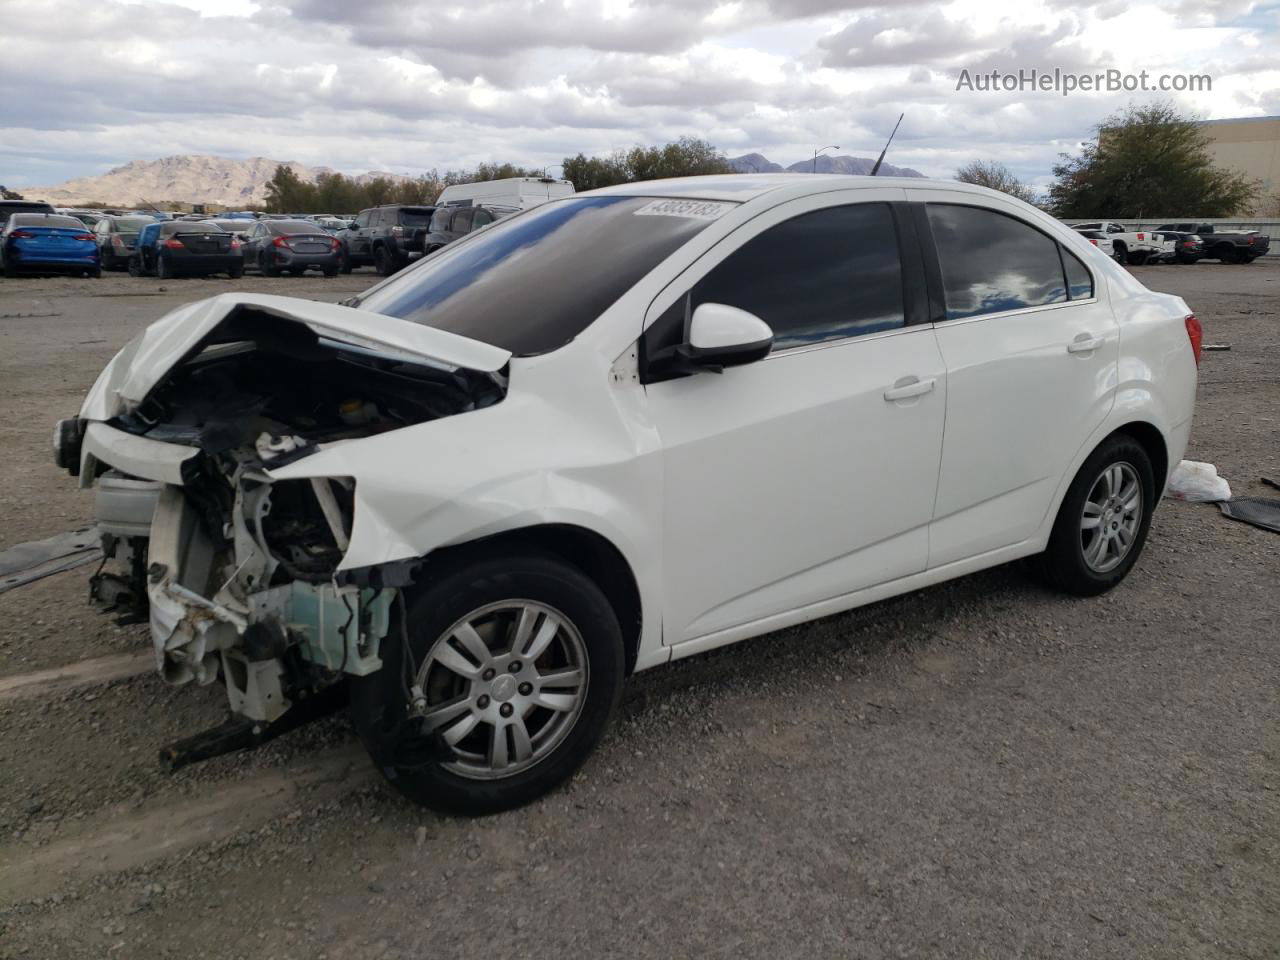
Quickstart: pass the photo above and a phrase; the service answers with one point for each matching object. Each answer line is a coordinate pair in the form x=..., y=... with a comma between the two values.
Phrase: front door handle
x=1084, y=343
x=909, y=387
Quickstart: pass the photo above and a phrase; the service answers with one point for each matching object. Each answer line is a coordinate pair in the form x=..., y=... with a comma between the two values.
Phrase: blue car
x=47, y=242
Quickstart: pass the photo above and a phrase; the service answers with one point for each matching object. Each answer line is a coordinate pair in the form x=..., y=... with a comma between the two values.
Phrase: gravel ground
x=983, y=768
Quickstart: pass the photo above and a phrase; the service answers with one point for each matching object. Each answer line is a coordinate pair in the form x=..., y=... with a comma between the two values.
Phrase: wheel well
x=585, y=549
x=1152, y=441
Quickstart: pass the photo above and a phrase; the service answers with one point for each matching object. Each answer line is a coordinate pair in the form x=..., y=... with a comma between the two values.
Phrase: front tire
x=518, y=663
x=1102, y=524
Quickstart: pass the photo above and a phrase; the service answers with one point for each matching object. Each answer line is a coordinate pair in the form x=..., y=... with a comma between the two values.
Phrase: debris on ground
x=1258, y=511
x=1197, y=482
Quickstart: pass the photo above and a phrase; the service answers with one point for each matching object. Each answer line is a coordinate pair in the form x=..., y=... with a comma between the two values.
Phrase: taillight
x=1249, y=241
x=280, y=242
x=235, y=244
x=335, y=243
x=84, y=236
x=1093, y=241
x=22, y=234
x=1195, y=334
x=1141, y=236
x=173, y=243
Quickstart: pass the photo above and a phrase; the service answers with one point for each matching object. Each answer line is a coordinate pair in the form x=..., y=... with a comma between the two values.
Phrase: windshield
x=290, y=228
x=533, y=282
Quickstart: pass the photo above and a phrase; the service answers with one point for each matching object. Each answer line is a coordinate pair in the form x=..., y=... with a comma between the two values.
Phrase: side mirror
x=727, y=336
x=719, y=336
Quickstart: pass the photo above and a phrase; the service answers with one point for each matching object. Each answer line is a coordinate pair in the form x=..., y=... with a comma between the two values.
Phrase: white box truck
x=518, y=192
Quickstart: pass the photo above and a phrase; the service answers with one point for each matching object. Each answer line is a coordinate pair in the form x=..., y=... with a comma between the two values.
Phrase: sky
x=403, y=86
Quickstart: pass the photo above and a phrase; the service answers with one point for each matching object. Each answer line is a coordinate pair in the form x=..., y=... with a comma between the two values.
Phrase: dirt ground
x=981, y=769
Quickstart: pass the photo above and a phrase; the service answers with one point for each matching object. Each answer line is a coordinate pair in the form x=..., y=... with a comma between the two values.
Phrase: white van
x=518, y=192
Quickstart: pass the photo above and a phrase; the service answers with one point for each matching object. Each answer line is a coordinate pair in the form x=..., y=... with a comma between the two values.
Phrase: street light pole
x=816, y=152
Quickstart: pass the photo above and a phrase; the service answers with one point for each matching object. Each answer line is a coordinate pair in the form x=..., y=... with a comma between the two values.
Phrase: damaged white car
x=616, y=429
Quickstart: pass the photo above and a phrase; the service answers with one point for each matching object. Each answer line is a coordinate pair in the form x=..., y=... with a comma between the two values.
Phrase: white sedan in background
x=617, y=429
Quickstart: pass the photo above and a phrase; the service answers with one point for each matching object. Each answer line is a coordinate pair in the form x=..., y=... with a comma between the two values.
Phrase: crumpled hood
x=145, y=360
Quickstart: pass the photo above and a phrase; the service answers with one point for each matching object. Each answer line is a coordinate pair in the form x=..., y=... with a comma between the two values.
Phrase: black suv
x=387, y=237
x=450, y=223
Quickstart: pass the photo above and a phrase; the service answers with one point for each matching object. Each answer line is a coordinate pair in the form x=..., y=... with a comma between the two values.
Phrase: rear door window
x=462, y=221
x=992, y=262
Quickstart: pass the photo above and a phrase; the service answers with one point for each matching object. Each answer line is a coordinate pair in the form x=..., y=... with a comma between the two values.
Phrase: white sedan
x=614, y=430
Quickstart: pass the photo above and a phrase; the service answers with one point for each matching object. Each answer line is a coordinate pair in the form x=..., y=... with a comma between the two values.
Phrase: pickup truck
x=1243, y=246
x=1134, y=247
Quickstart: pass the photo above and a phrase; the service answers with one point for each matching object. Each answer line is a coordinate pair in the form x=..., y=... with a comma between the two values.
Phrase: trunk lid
x=201, y=243
x=144, y=361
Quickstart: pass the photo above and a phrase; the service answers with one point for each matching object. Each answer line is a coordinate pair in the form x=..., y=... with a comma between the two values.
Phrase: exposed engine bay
x=236, y=570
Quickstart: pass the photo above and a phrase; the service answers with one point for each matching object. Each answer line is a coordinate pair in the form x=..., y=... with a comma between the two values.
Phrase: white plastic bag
x=1197, y=482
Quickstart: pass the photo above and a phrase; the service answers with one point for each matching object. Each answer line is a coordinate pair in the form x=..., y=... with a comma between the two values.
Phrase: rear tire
x=135, y=266
x=236, y=272
x=10, y=270
x=1120, y=253
x=95, y=273
x=266, y=268
x=382, y=262
x=1096, y=538
x=330, y=271
x=345, y=263
x=492, y=703
x=163, y=270
x=1138, y=259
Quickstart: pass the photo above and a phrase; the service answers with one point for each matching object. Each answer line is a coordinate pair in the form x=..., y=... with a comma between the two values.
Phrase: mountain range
x=186, y=178
x=858, y=166
x=195, y=178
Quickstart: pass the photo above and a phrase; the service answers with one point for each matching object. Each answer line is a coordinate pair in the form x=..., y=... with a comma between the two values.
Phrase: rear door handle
x=1084, y=343
x=909, y=387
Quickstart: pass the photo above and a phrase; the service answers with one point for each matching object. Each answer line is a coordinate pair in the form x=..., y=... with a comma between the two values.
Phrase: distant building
x=1250, y=145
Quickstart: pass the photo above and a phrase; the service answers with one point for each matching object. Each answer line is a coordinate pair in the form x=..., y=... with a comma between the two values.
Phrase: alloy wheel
x=503, y=687
x=1111, y=518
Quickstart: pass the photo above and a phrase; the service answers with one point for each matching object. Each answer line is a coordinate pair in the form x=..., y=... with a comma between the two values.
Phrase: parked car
x=178, y=248
x=46, y=242
x=9, y=207
x=451, y=223
x=520, y=193
x=291, y=246
x=1099, y=240
x=1233, y=246
x=1188, y=247
x=387, y=237
x=475, y=500
x=1133, y=247
x=1167, y=248
x=333, y=224
x=117, y=237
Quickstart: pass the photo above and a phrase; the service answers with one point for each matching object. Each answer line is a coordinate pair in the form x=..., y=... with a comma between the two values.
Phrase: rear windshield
x=132, y=224
x=533, y=282
x=415, y=216
x=189, y=226
x=43, y=220
x=291, y=227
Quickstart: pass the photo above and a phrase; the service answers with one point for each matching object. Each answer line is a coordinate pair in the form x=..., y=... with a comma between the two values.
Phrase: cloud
x=391, y=84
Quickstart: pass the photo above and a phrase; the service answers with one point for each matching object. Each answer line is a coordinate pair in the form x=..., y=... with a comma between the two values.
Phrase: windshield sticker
x=690, y=209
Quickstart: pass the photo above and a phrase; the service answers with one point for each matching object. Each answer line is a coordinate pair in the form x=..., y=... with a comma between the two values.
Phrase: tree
x=993, y=174
x=1147, y=161
x=686, y=157
x=287, y=192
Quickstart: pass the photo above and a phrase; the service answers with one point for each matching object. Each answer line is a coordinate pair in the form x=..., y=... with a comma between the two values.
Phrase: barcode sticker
x=691, y=209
